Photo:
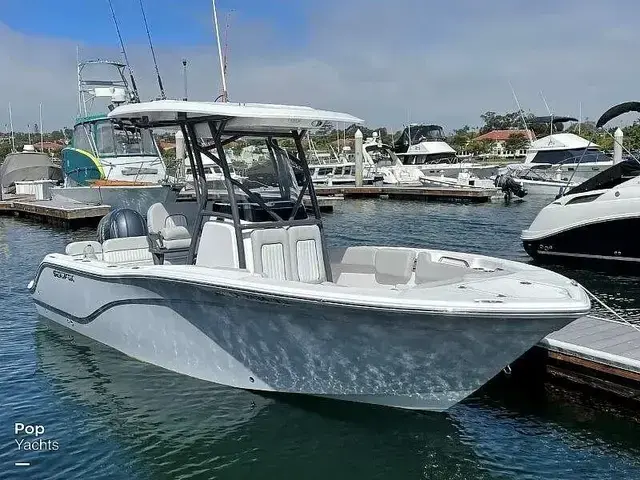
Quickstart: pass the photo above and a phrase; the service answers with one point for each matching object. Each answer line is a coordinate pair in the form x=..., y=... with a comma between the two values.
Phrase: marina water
x=114, y=417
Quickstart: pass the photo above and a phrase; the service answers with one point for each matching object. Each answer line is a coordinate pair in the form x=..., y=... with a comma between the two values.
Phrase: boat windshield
x=274, y=175
x=573, y=155
x=113, y=139
x=381, y=155
x=609, y=178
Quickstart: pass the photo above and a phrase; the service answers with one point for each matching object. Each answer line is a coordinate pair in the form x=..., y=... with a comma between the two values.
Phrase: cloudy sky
x=388, y=62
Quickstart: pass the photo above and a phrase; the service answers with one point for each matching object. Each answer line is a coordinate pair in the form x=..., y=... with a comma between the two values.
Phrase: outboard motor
x=509, y=186
x=122, y=222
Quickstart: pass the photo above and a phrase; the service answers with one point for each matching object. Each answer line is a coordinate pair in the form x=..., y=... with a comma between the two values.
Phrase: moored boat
x=240, y=287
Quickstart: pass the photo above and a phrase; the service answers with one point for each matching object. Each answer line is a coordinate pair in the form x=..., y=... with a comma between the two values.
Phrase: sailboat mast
x=41, y=131
x=225, y=96
x=524, y=120
x=13, y=139
x=80, y=96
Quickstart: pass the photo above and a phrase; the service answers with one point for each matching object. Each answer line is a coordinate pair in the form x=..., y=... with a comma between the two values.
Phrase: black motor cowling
x=509, y=186
x=121, y=222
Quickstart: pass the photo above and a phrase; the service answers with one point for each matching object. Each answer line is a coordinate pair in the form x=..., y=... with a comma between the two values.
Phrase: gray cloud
x=385, y=62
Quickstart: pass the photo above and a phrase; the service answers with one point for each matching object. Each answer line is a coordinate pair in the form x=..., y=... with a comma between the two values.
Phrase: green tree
x=516, y=141
x=461, y=138
x=480, y=147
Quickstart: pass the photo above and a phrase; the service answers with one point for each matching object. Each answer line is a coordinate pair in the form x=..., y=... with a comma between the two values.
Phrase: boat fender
x=120, y=223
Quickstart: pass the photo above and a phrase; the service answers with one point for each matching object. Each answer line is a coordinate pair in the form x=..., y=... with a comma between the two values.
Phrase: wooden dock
x=64, y=214
x=443, y=194
x=598, y=353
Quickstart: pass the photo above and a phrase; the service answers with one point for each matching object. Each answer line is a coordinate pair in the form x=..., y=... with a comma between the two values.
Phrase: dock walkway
x=600, y=353
x=447, y=194
x=55, y=212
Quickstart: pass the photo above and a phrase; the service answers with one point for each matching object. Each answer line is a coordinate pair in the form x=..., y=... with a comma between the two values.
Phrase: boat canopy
x=250, y=203
x=616, y=111
x=239, y=117
x=553, y=119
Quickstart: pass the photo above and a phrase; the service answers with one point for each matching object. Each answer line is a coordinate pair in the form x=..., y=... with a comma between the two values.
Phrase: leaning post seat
x=168, y=233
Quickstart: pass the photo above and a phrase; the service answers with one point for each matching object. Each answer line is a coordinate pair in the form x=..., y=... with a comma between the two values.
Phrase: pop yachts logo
x=35, y=442
x=63, y=275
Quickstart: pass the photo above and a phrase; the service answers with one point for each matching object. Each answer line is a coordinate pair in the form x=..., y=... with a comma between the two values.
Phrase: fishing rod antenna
x=136, y=97
x=153, y=53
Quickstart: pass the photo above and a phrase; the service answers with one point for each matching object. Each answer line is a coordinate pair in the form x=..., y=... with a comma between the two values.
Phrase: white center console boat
x=240, y=288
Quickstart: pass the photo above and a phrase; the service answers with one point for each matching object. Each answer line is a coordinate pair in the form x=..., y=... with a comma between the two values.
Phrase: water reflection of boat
x=169, y=413
x=173, y=426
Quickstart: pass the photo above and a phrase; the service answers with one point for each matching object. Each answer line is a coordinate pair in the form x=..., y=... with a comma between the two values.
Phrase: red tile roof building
x=503, y=135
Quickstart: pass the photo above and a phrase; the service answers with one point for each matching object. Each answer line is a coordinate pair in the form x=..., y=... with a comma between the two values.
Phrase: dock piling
x=358, y=152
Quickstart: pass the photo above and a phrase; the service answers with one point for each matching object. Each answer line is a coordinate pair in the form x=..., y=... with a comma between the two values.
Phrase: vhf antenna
x=136, y=97
x=153, y=53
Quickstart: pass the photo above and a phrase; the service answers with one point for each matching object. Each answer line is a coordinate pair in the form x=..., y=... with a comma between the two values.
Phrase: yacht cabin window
x=573, y=155
x=115, y=139
x=81, y=137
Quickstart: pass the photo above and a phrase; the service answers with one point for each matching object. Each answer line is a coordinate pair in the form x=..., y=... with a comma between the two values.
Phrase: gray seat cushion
x=394, y=266
x=428, y=271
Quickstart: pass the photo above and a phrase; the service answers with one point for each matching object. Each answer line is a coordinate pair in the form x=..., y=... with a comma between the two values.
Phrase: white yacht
x=424, y=146
x=558, y=162
x=593, y=224
x=261, y=303
x=109, y=161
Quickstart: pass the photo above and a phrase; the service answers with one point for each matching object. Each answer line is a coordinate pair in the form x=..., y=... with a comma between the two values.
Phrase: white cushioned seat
x=394, y=266
x=175, y=237
x=271, y=255
x=84, y=249
x=428, y=271
x=305, y=248
x=158, y=218
x=127, y=250
x=218, y=247
x=171, y=229
x=362, y=255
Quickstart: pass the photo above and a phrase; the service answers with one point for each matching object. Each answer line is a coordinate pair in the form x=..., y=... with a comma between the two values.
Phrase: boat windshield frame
x=220, y=136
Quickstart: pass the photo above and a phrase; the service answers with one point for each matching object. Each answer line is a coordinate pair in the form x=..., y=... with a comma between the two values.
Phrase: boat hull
x=248, y=340
x=139, y=197
x=538, y=187
x=601, y=244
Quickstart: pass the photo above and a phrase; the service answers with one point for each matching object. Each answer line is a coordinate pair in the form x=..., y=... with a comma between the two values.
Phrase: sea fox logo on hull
x=63, y=275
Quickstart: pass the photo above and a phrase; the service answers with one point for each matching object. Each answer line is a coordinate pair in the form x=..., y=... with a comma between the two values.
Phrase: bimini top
x=240, y=116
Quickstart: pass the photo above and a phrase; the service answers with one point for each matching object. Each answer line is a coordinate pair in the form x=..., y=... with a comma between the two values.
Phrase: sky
x=389, y=63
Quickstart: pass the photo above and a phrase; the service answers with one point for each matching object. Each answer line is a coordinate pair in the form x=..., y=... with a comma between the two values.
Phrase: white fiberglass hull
x=542, y=187
x=256, y=340
x=138, y=197
x=454, y=169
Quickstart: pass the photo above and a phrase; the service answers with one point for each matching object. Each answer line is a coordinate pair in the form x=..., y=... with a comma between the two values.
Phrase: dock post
x=617, y=145
x=358, y=137
x=180, y=155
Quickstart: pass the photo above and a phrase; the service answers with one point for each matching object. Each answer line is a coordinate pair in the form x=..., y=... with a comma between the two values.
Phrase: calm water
x=117, y=418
